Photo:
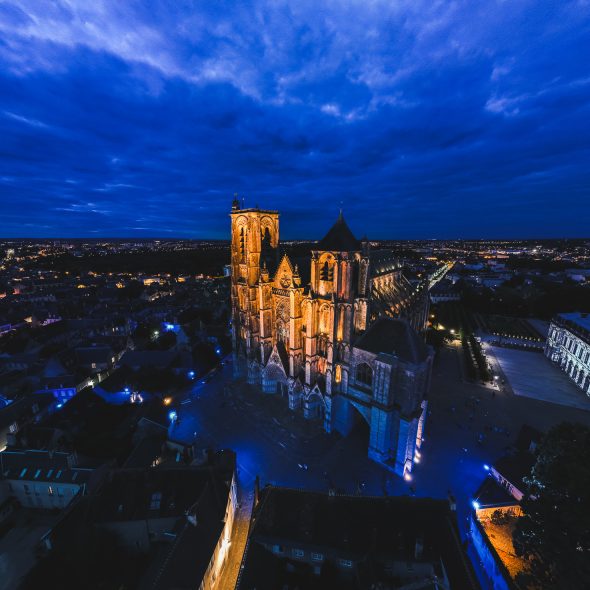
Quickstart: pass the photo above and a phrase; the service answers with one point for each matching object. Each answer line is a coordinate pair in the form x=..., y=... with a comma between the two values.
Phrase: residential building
x=315, y=540
x=43, y=479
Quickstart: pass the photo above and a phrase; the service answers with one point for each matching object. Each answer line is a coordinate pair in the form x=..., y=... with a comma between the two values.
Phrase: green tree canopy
x=554, y=533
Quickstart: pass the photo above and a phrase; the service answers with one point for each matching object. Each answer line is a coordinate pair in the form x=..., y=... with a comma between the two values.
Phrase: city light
x=167, y=401
x=475, y=504
x=191, y=374
x=172, y=415
x=407, y=476
x=486, y=467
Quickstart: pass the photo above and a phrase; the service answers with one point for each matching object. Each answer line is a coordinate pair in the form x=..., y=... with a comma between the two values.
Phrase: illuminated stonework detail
x=298, y=340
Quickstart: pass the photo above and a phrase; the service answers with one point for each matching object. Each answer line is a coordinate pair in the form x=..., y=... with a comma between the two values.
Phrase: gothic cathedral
x=337, y=334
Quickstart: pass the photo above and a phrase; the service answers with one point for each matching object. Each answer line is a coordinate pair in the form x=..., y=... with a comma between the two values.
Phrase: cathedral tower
x=254, y=237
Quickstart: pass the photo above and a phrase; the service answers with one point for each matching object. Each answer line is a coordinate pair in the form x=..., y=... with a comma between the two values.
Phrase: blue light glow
x=191, y=374
x=172, y=415
x=60, y=406
x=475, y=504
x=486, y=467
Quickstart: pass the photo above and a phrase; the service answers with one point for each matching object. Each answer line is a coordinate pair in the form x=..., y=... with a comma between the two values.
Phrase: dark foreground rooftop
x=313, y=540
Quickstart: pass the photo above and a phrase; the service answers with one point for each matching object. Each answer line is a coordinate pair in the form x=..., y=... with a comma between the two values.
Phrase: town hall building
x=337, y=334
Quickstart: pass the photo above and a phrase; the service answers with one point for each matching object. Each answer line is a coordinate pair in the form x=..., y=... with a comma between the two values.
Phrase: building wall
x=571, y=353
x=517, y=494
x=495, y=573
x=46, y=495
x=221, y=552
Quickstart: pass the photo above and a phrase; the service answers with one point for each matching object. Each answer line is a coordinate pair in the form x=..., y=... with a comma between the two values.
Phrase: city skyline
x=421, y=121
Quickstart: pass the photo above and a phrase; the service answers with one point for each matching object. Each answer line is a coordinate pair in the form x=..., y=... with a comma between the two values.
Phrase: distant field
x=454, y=316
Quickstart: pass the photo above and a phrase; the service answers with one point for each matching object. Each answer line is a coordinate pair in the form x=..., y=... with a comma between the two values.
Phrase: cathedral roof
x=382, y=262
x=394, y=336
x=339, y=238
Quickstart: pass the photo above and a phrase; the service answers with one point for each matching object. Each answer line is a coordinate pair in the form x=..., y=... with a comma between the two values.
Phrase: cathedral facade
x=336, y=334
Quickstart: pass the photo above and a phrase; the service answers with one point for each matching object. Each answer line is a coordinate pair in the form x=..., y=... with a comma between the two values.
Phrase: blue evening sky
x=464, y=118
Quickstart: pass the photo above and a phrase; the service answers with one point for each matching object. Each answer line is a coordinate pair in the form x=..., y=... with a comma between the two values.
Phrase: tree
x=554, y=532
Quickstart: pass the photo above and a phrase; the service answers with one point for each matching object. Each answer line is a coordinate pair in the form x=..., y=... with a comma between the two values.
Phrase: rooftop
x=339, y=238
x=42, y=466
x=394, y=336
x=363, y=529
x=137, y=494
x=582, y=320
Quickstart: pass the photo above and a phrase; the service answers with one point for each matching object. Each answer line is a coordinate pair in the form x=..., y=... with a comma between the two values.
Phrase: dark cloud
x=465, y=119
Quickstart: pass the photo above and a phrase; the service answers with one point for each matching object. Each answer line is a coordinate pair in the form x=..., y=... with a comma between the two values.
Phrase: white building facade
x=568, y=345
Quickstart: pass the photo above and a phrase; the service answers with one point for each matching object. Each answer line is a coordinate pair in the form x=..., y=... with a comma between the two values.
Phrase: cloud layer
x=424, y=119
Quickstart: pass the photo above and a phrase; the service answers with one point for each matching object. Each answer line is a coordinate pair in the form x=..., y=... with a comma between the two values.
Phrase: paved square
x=532, y=374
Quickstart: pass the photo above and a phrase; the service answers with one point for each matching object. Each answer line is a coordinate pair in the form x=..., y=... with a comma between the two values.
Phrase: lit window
x=156, y=500
x=317, y=556
x=345, y=562
x=50, y=491
x=298, y=553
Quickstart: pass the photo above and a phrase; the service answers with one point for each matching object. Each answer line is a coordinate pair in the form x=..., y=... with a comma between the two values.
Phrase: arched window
x=327, y=272
x=322, y=345
x=242, y=243
x=364, y=375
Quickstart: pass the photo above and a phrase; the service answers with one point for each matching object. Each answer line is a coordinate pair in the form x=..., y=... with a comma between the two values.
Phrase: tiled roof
x=368, y=530
x=41, y=466
x=394, y=336
x=339, y=238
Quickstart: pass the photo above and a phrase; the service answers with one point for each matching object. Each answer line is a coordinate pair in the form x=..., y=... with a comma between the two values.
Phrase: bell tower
x=253, y=232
